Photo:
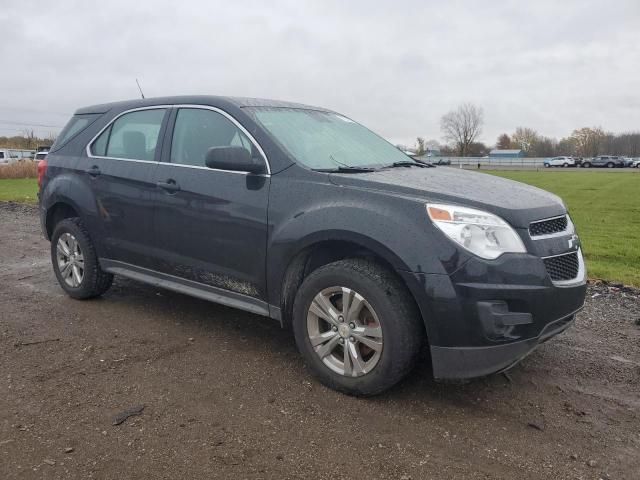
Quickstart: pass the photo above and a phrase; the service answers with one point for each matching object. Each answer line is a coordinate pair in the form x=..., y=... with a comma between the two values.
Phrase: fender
x=376, y=230
x=69, y=189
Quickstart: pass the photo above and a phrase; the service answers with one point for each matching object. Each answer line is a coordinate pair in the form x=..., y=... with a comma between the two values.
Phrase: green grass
x=22, y=190
x=605, y=208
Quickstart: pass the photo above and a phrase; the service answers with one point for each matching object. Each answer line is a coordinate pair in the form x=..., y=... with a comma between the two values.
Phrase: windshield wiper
x=345, y=169
x=408, y=163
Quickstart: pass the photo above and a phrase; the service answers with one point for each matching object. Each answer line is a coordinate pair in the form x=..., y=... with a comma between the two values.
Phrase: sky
x=395, y=66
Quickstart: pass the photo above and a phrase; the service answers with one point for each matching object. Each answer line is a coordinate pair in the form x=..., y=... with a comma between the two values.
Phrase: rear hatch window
x=76, y=125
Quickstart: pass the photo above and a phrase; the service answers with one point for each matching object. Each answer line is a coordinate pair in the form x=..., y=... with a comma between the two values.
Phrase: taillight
x=42, y=170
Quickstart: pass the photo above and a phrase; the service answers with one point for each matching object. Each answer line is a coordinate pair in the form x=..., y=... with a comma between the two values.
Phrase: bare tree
x=462, y=126
x=420, y=146
x=525, y=139
x=30, y=137
x=504, y=142
x=432, y=145
x=588, y=141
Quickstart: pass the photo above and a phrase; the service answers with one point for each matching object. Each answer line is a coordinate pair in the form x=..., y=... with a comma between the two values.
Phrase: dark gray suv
x=609, y=161
x=301, y=214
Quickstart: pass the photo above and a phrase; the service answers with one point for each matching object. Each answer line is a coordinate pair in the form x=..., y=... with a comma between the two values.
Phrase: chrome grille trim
x=567, y=229
x=580, y=275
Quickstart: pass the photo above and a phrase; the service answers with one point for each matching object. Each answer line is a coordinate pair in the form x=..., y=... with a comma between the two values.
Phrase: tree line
x=462, y=126
x=27, y=140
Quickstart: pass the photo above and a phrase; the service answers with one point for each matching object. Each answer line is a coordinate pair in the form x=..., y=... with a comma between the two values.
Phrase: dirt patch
x=226, y=395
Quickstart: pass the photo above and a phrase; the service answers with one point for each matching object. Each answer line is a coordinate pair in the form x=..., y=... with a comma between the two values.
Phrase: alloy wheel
x=344, y=331
x=70, y=260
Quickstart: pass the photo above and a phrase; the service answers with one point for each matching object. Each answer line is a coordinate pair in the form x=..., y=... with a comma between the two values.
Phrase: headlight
x=482, y=233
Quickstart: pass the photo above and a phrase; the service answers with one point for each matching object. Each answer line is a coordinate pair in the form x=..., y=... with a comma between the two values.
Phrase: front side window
x=197, y=130
x=1, y=154
x=326, y=140
x=132, y=136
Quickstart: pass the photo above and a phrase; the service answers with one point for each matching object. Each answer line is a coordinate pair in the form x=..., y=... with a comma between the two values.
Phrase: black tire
x=586, y=165
x=546, y=165
x=565, y=165
x=610, y=165
x=94, y=282
x=399, y=318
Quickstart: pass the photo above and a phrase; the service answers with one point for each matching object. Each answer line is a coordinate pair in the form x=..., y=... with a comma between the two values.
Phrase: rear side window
x=1, y=154
x=197, y=130
x=74, y=126
x=133, y=136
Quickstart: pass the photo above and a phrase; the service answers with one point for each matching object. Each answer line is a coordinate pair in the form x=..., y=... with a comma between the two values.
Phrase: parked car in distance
x=627, y=162
x=577, y=161
x=608, y=161
x=11, y=155
x=302, y=215
x=560, y=162
x=42, y=155
x=635, y=163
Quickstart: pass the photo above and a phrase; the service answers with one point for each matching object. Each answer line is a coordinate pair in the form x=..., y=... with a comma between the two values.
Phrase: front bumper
x=488, y=315
x=471, y=362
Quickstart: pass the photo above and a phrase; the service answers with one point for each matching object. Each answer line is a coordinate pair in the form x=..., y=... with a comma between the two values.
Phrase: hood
x=517, y=203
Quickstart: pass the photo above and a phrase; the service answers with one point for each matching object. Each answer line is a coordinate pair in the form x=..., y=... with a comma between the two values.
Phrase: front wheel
x=75, y=261
x=357, y=327
x=546, y=165
x=610, y=165
x=565, y=165
x=586, y=165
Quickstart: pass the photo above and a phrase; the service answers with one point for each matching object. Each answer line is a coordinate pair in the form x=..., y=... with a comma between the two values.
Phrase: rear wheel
x=586, y=165
x=565, y=165
x=357, y=327
x=546, y=165
x=75, y=262
x=610, y=165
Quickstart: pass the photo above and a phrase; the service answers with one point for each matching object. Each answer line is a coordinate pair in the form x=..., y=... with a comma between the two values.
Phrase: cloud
x=397, y=67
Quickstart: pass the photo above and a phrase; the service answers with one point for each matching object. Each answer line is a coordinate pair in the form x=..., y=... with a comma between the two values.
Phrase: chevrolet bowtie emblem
x=574, y=242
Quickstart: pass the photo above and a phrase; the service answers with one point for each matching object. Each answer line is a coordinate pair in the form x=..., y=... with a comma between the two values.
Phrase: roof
x=211, y=100
x=505, y=152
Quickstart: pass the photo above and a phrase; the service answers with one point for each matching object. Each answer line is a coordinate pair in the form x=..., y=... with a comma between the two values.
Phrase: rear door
x=210, y=225
x=120, y=168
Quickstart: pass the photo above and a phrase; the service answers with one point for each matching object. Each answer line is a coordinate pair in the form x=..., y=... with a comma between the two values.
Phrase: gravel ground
x=226, y=395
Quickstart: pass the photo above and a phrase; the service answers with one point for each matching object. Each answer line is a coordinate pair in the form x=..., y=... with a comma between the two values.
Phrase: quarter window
x=197, y=130
x=132, y=136
x=73, y=127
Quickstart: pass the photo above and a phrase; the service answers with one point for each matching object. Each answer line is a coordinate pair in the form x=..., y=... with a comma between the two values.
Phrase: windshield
x=325, y=140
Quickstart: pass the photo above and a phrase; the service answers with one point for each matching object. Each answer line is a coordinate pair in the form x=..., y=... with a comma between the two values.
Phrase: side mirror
x=237, y=159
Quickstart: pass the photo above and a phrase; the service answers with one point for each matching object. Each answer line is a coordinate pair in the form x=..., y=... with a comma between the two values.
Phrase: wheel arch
x=317, y=251
x=57, y=212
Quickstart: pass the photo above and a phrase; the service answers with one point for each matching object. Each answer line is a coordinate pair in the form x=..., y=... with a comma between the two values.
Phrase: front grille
x=548, y=227
x=562, y=267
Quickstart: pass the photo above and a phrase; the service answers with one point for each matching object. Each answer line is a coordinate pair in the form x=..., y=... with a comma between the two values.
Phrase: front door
x=210, y=225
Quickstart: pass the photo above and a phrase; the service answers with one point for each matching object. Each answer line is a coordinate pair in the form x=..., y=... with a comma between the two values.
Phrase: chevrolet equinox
x=302, y=215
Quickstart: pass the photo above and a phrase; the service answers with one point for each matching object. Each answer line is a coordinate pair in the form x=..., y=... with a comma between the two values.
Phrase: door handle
x=94, y=171
x=170, y=186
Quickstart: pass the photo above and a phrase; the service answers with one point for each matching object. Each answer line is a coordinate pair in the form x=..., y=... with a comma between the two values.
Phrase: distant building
x=497, y=153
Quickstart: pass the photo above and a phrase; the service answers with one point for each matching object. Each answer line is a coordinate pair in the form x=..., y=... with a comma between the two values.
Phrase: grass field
x=604, y=206
x=19, y=190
